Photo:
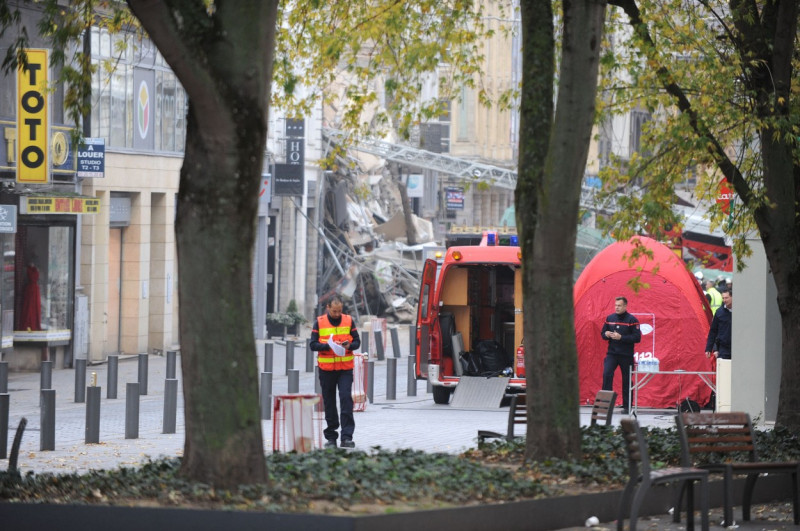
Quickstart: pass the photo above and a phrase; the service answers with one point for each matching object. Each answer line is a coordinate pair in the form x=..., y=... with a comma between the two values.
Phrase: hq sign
x=32, y=119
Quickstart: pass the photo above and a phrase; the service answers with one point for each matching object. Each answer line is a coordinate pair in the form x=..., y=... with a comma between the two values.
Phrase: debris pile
x=365, y=256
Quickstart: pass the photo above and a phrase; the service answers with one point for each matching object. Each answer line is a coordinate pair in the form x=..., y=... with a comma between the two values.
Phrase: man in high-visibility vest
x=714, y=297
x=336, y=369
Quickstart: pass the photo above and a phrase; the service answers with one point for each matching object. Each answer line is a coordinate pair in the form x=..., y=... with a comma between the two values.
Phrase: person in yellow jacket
x=714, y=297
x=336, y=369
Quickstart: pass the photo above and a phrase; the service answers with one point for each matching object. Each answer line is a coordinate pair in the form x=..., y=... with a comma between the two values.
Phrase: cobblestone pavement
x=404, y=422
x=764, y=517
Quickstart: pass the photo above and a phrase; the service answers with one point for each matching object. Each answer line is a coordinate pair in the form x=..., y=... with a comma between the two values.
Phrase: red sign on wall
x=726, y=195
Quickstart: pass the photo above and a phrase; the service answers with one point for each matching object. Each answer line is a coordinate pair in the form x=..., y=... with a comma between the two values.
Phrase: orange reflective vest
x=326, y=359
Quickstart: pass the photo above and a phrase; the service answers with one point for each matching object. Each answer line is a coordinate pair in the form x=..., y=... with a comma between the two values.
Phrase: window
x=463, y=115
x=7, y=289
x=43, y=288
x=113, y=93
x=120, y=97
x=101, y=105
x=638, y=119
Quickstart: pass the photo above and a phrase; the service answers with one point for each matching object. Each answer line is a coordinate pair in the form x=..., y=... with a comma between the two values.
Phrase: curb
x=530, y=515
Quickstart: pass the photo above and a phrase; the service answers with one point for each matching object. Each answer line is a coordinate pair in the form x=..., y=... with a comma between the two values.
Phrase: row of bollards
x=91, y=395
x=293, y=375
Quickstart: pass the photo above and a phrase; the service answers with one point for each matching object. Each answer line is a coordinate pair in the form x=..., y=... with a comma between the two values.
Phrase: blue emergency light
x=491, y=238
x=514, y=240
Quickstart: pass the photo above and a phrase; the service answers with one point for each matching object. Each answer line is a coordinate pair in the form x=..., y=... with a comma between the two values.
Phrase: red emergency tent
x=673, y=313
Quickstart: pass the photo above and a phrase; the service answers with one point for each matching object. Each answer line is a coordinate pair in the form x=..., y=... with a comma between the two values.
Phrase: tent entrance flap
x=475, y=392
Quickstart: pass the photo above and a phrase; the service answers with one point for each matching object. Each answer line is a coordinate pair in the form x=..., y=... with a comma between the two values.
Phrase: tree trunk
x=215, y=232
x=224, y=62
x=536, y=120
x=789, y=398
x=553, y=386
x=408, y=215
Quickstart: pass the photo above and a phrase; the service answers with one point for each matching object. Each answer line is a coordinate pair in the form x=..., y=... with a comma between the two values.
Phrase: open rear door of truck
x=425, y=312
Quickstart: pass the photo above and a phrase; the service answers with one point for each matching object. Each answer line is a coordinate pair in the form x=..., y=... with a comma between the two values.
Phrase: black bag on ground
x=492, y=355
x=688, y=405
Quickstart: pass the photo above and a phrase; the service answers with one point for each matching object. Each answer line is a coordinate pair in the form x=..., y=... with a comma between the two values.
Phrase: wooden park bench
x=644, y=477
x=725, y=443
x=602, y=411
x=603, y=408
x=517, y=414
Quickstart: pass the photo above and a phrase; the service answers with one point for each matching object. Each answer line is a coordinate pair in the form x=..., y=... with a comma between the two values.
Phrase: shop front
x=38, y=278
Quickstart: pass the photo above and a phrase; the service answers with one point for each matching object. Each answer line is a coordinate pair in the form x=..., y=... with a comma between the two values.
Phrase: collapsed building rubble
x=364, y=255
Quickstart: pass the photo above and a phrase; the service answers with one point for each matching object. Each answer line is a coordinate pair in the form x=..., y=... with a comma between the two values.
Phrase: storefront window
x=7, y=290
x=43, y=287
x=119, y=98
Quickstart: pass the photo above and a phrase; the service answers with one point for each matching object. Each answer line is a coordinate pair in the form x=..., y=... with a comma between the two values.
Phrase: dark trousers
x=610, y=365
x=330, y=381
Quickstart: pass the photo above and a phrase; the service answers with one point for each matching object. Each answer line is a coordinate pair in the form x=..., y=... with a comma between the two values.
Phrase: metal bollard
x=172, y=356
x=395, y=342
x=112, y=376
x=266, y=395
x=80, y=380
x=46, y=375
x=365, y=344
x=3, y=376
x=132, y=411
x=294, y=381
x=412, y=340
x=5, y=403
x=309, y=357
x=143, y=363
x=391, y=379
x=47, y=420
x=268, y=346
x=379, y=345
x=289, y=356
x=92, y=434
x=170, y=405
x=411, y=384
x=370, y=380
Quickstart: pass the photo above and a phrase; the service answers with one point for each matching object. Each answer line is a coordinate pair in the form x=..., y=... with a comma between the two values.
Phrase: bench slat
x=719, y=449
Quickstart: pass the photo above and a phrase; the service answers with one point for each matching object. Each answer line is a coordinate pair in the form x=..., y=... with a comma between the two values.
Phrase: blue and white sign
x=8, y=219
x=92, y=158
x=415, y=186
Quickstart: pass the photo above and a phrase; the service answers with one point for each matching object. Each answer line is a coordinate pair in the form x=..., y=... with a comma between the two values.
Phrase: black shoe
x=331, y=443
x=348, y=444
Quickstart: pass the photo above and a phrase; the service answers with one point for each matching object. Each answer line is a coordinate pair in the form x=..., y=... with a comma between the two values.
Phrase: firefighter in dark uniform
x=336, y=372
x=621, y=330
x=719, y=335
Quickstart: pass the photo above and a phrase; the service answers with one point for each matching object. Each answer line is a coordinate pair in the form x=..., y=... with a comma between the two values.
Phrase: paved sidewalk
x=764, y=517
x=408, y=422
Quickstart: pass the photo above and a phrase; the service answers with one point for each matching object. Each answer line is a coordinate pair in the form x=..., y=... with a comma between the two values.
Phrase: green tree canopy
x=721, y=81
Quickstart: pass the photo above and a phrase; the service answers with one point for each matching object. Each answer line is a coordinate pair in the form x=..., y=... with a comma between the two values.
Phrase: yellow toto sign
x=32, y=119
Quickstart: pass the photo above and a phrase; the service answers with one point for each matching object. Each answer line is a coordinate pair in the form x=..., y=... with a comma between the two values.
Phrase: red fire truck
x=470, y=297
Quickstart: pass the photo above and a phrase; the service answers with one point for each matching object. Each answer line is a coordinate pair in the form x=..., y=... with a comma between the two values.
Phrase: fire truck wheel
x=441, y=395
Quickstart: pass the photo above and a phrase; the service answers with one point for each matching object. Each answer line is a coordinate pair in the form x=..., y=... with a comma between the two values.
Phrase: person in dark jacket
x=719, y=336
x=621, y=330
